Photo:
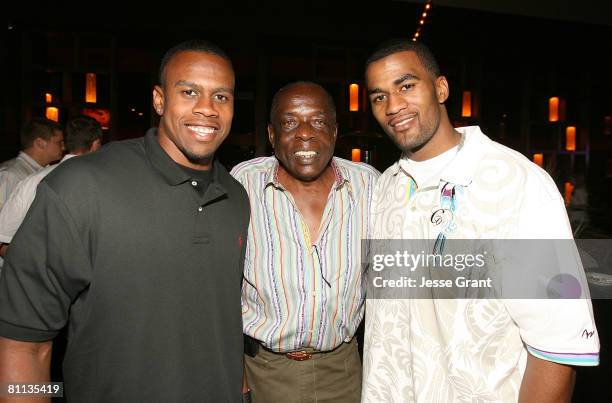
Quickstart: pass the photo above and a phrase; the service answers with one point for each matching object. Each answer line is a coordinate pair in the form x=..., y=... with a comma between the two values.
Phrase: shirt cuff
x=579, y=359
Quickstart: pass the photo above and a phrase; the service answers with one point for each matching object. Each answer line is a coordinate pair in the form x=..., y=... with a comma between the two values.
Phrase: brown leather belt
x=294, y=355
x=298, y=355
x=302, y=355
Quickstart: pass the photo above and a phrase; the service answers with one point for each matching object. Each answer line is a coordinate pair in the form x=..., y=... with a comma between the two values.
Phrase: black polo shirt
x=145, y=269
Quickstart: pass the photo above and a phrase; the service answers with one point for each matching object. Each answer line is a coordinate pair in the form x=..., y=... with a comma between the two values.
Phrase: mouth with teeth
x=202, y=132
x=403, y=123
x=305, y=155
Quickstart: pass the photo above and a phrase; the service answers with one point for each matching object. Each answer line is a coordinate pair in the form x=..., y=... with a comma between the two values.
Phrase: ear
x=335, y=131
x=158, y=100
x=95, y=145
x=442, y=90
x=271, y=134
x=40, y=143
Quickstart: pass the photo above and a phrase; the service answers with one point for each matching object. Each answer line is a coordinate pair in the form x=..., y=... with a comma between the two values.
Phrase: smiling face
x=407, y=102
x=196, y=105
x=303, y=131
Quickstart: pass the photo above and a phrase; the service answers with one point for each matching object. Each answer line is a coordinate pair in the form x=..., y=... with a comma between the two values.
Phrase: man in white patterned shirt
x=302, y=296
x=451, y=350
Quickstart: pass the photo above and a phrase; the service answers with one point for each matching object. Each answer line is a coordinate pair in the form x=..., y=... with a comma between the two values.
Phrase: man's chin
x=409, y=144
x=199, y=159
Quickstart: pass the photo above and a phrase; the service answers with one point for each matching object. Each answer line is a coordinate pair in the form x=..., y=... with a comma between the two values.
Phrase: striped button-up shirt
x=300, y=292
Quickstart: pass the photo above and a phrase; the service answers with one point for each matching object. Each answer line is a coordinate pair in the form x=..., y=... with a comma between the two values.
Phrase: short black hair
x=276, y=97
x=38, y=128
x=81, y=132
x=393, y=46
x=193, y=45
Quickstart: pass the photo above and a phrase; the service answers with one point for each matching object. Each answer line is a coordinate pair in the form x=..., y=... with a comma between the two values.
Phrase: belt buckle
x=299, y=356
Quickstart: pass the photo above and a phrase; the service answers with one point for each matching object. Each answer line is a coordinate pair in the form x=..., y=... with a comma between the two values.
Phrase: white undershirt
x=424, y=171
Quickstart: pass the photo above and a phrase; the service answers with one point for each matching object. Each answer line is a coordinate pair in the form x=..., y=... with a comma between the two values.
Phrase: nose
x=395, y=104
x=304, y=132
x=205, y=107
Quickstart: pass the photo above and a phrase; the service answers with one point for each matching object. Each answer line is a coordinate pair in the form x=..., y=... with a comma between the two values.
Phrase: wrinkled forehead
x=304, y=99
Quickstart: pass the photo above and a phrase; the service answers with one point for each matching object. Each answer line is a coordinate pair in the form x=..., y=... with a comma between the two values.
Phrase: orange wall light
x=52, y=113
x=570, y=138
x=90, y=88
x=553, y=109
x=538, y=159
x=466, y=104
x=568, y=190
x=356, y=154
x=48, y=98
x=354, y=97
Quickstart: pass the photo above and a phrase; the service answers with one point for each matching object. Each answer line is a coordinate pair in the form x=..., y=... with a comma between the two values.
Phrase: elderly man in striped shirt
x=302, y=294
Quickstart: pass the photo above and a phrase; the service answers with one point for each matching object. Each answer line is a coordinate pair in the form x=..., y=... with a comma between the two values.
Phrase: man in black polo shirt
x=139, y=249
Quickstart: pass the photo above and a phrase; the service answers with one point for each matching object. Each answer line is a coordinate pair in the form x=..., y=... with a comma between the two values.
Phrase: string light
x=422, y=21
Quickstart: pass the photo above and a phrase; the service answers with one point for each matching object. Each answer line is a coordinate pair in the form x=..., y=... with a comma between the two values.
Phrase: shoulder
x=112, y=160
x=8, y=163
x=512, y=165
x=229, y=182
x=30, y=183
x=237, y=195
x=362, y=169
x=388, y=175
x=7, y=168
x=493, y=168
x=255, y=166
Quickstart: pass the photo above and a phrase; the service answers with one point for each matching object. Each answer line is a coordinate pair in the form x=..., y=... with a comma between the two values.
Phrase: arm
x=24, y=361
x=546, y=382
x=15, y=209
x=3, y=248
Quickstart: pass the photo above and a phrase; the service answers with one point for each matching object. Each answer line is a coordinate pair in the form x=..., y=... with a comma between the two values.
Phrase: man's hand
x=3, y=248
x=547, y=382
x=22, y=361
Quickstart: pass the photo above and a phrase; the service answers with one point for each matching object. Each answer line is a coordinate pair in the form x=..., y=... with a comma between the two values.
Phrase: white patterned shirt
x=468, y=350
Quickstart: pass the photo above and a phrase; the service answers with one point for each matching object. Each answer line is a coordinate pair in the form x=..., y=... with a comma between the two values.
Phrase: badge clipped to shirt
x=444, y=217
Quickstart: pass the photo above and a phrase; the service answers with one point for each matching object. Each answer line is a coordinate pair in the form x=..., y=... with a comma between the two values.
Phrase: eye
x=288, y=124
x=320, y=123
x=377, y=99
x=190, y=93
x=221, y=98
x=406, y=87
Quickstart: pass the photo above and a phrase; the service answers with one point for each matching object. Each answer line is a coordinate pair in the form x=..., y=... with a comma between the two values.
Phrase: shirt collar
x=472, y=147
x=463, y=167
x=341, y=177
x=29, y=160
x=166, y=167
x=67, y=157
